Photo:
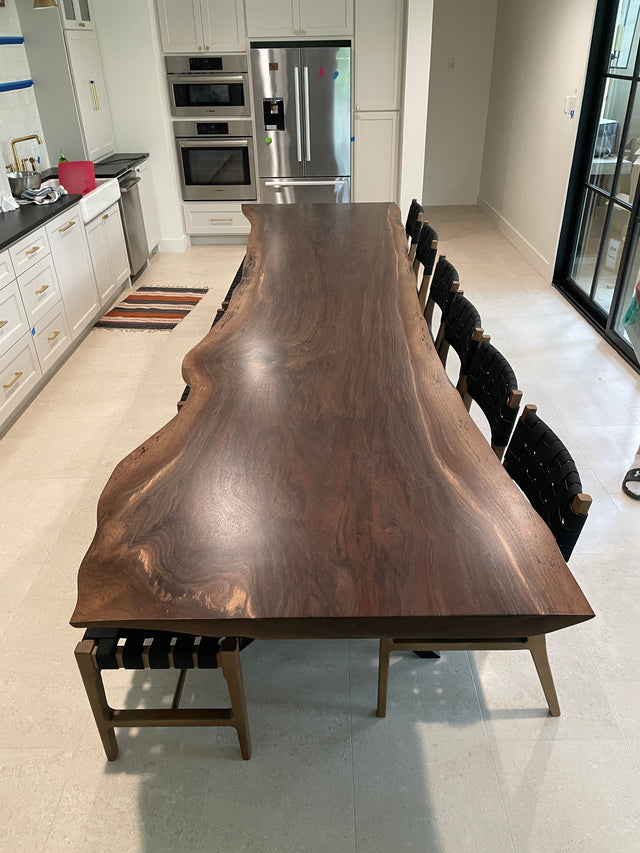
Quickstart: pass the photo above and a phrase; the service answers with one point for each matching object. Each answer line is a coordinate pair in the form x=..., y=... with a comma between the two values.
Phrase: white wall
x=418, y=22
x=463, y=32
x=540, y=56
x=132, y=63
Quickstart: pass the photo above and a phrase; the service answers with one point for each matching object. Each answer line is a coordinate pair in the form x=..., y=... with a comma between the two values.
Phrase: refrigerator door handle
x=296, y=77
x=306, y=114
x=284, y=183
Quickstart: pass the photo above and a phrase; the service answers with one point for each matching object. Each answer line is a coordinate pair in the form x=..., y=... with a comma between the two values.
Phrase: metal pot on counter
x=21, y=181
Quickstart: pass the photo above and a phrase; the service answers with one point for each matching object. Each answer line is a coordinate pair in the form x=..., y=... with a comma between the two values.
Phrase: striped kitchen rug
x=152, y=308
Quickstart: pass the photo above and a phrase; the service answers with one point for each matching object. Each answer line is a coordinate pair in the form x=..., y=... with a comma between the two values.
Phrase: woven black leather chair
x=444, y=285
x=542, y=467
x=462, y=331
x=491, y=383
x=219, y=315
x=426, y=252
x=123, y=648
x=413, y=226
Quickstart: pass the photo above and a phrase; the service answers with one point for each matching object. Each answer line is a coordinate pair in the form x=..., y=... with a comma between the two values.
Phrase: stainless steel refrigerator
x=302, y=104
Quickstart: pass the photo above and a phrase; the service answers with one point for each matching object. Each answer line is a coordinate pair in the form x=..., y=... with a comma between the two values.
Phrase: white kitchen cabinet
x=29, y=250
x=76, y=14
x=108, y=252
x=6, y=269
x=375, y=156
x=189, y=26
x=377, y=55
x=19, y=374
x=72, y=262
x=52, y=337
x=13, y=318
x=312, y=18
x=91, y=93
x=149, y=205
x=39, y=289
x=225, y=219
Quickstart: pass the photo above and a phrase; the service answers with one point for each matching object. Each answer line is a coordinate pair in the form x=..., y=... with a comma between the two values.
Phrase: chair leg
x=230, y=663
x=383, y=675
x=102, y=713
x=538, y=648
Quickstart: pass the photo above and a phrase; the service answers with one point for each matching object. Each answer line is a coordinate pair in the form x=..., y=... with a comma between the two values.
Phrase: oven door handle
x=206, y=78
x=337, y=183
x=307, y=125
x=200, y=142
x=296, y=77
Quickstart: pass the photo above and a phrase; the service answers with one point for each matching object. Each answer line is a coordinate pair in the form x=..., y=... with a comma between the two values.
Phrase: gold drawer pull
x=67, y=226
x=53, y=336
x=229, y=219
x=105, y=215
x=31, y=251
x=3, y=323
x=13, y=381
x=42, y=289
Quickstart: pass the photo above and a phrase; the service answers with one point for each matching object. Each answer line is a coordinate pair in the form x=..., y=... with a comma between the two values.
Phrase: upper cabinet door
x=76, y=14
x=326, y=17
x=378, y=54
x=223, y=25
x=91, y=94
x=181, y=26
x=273, y=18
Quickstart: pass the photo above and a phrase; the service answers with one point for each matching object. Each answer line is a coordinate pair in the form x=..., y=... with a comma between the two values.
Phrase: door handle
x=29, y=252
x=307, y=122
x=53, y=336
x=66, y=227
x=296, y=78
x=13, y=381
x=42, y=289
x=338, y=183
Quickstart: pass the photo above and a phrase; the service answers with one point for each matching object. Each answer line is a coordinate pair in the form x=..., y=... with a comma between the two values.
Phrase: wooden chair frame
x=536, y=645
x=108, y=718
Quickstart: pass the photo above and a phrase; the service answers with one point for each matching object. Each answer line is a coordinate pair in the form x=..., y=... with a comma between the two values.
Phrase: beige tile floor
x=467, y=759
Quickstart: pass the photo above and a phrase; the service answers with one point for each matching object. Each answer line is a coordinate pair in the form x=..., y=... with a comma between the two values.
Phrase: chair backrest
x=462, y=330
x=426, y=252
x=444, y=284
x=413, y=226
x=491, y=383
x=540, y=464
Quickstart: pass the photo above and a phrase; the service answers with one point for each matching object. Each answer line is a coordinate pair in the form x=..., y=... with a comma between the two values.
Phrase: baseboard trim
x=537, y=261
x=176, y=244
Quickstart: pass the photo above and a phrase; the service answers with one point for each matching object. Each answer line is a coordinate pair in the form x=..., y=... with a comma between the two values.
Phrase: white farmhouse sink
x=97, y=201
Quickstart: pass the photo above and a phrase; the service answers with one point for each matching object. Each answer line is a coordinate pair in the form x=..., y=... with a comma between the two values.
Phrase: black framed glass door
x=598, y=261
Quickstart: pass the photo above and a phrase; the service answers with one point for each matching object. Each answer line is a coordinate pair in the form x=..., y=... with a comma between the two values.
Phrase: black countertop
x=14, y=224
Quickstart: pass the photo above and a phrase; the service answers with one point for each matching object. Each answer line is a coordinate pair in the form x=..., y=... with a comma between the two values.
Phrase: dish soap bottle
x=62, y=159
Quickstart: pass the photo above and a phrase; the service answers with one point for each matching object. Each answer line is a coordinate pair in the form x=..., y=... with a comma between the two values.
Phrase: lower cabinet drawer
x=13, y=320
x=52, y=336
x=39, y=289
x=19, y=373
x=212, y=220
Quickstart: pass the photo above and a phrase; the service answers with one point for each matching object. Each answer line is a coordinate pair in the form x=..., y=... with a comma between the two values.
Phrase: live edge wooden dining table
x=324, y=478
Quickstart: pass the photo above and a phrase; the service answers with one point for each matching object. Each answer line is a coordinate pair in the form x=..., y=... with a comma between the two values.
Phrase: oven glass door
x=213, y=170
x=223, y=95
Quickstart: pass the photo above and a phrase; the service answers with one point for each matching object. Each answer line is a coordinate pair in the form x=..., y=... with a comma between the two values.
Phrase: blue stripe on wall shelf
x=11, y=40
x=19, y=84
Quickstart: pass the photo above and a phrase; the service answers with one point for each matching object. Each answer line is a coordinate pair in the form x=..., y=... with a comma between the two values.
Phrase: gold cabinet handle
x=3, y=323
x=94, y=93
x=66, y=227
x=81, y=24
x=53, y=336
x=105, y=215
x=42, y=289
x=227, y=219
x=13, y=381
x=31, y=251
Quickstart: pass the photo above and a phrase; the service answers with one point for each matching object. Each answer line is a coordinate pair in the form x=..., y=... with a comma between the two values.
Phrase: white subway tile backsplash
x=18, y=109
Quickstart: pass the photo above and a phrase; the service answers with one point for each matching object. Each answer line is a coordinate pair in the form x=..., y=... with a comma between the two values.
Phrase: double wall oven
x=210, y=97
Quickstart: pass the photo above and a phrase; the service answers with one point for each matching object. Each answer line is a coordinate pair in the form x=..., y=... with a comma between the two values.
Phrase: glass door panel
x=612, y=247
x=607, y=141
x=625, y=38
x=69, y=10
x=628, y=290
x=591, y=226
x=85, y=14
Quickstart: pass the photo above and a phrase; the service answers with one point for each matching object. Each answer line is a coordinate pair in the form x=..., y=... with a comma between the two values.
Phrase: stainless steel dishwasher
x=133, y=222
